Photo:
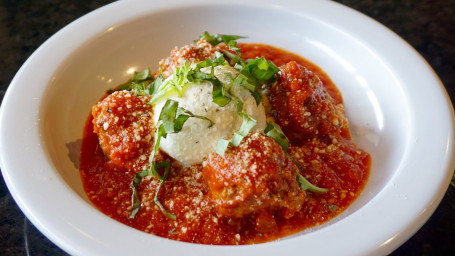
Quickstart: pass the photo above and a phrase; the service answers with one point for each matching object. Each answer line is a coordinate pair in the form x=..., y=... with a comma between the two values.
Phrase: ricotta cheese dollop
x=197, y=140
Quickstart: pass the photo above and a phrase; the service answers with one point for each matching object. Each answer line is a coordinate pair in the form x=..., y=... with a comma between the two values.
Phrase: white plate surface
x=397, y=108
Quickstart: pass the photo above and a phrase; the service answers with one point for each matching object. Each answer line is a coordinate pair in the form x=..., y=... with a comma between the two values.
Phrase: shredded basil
x=184, y=74
x=197, y=76
x=135, y=196
x=219, y=93
x=221, y=146
x=253, y=74
x=183, y=115
x=141, y=76
x=155, y=85
x=219, y=38
x=139, y=80
x=171, y=120
x=175, y=84
x=230, y=42
x=274, y=131
x=256, y=73
x=247, y=124
x=166, y=165
x=305, y=185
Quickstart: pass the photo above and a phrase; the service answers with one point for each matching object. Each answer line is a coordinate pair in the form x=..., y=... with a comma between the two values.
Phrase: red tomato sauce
x=332, y=162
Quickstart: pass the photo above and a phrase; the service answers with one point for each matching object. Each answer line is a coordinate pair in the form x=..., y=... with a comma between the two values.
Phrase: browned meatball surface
x=192, y=53
x=303, y=107
x=255, y=177
x=123, y=123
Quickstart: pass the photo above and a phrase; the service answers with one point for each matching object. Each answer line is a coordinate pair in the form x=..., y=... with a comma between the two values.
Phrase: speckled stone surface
x=427, y=25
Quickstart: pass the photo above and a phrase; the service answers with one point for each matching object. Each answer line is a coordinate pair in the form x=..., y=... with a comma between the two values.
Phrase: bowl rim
x=11, y=164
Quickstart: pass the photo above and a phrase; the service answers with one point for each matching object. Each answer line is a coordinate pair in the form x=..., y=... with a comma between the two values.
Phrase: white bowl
x=397, y=107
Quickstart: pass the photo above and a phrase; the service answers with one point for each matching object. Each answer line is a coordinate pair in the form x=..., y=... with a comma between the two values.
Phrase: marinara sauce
x=326, y=158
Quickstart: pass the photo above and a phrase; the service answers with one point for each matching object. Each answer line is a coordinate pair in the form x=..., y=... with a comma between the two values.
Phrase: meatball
x=302, y=106
x=254, y=178
x=193, y=53
x=124, y=125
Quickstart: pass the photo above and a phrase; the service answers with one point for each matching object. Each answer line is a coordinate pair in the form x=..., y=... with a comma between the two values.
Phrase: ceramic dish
x=397, y=107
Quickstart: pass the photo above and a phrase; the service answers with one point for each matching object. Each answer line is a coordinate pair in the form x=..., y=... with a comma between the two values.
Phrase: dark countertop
x=428, y=25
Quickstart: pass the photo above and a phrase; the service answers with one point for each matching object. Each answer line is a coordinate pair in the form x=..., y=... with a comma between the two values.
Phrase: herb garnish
x=247, y=124
x=252, y=75
x=219, y=90
x=274, y=131
x=230, y=41
x=184, y=75
x=255, y=74
x=140, y=81
x=220, y=38
x=305, y=185
x=175, y=84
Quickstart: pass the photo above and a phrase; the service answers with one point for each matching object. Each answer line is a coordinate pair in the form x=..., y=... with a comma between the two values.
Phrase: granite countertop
x=428, y=25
